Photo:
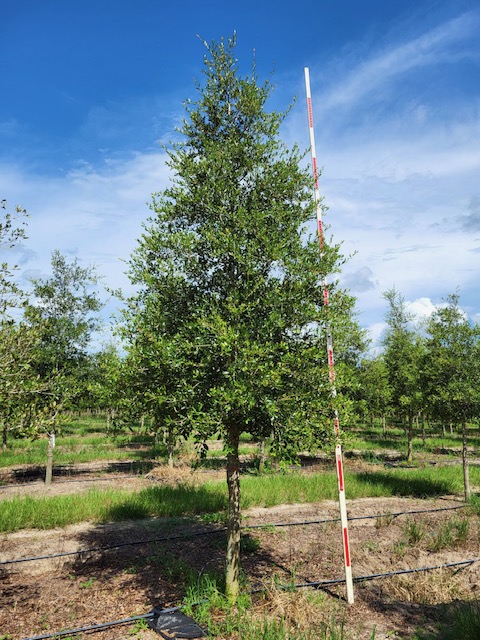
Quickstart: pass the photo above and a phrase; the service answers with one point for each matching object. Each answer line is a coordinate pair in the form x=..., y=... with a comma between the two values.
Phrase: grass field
x=435, y=472
x=211, y=497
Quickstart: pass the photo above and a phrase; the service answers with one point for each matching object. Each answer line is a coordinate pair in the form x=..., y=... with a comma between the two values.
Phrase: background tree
x=452, y=370
x=62, y=313
x=17, y=341
x=13, y=229
x=230, y=293
x=402, y=354
x=376, y=391
x=104, y=390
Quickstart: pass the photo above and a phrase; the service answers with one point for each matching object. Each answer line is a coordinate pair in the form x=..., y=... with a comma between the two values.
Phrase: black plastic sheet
x=173, y=625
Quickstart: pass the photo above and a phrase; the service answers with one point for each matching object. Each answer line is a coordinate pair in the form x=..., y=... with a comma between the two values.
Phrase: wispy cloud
x=443, y=44
x=93, y=213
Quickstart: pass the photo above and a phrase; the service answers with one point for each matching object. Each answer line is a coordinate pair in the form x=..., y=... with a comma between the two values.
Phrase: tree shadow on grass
x=402, y=485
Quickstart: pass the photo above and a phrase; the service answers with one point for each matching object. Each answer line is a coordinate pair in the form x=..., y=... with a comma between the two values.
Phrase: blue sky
x=92, y=89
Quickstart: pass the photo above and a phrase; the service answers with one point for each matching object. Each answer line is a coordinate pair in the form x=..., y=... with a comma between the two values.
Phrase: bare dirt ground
x=44, y=596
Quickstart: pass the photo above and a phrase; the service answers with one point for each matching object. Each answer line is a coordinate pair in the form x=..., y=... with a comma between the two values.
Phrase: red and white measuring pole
x=331, y=363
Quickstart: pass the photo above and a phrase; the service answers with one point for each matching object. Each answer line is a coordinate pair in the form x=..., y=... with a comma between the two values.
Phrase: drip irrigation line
x=105, y=625
x=318, y=583
x=378, y=515
x=373, y=576
x=93, y=627
x=108, y=547
x=180, y=536
x=402, y=513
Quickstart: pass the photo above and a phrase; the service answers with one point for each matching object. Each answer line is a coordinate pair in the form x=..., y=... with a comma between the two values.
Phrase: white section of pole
x=331, y=363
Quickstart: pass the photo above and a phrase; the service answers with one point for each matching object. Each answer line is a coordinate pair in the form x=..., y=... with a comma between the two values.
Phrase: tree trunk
x=233, y=529
x=466, y=475
x=170, y=446
x=424, y=436
x=50, y=448
x=410, y=439
x=263, y=456
x=384, y=425
x=5, y=436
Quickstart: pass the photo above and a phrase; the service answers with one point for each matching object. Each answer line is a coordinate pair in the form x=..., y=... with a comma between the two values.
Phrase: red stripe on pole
x=325, y=297
x=336, y=426
x=346, y=546
x=330, y=357
x=340, y=473
x=315, y=172
x=310, y=114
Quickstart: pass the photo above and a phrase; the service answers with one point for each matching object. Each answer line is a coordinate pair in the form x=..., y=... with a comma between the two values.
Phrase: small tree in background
x=17, y=341
x=375, y=388
x=403, y=352
x=229, y=313
x=62, y=313
x=452, y=370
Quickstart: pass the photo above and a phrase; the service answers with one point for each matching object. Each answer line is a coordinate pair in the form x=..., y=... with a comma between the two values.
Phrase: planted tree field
x=157, y=539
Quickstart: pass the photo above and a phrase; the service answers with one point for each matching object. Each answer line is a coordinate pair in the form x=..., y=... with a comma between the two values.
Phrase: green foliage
x=63, y=313
x=413, y=531
x=403, y=352
x=18, y=383
x=227, y=333
x=465, y=622
x=452, y=364
x=450, y=535
x=12, y=232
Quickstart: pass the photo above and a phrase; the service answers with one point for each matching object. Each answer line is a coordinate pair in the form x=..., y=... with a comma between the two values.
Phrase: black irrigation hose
x=201, y=533
x=378, y=515
x=94, y=627
x=178, y=536
x=320, y=583
x=373, y=576
x=106, y=625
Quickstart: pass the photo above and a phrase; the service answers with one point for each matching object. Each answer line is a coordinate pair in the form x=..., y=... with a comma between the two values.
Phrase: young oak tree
x=18, y=383
x=62, y=311
x=229, y=279
x=452, y=370
x=402, y=356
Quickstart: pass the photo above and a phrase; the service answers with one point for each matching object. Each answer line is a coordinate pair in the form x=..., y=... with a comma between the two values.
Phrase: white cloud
x=436, y=46
x=420, y=309
x=401, y=183
x=95, y=214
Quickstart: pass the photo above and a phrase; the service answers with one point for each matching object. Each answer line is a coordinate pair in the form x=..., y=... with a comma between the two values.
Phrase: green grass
x=82, y=440
x=466, y=622
x=207, y=605
x=368, y=438
x=211, y=497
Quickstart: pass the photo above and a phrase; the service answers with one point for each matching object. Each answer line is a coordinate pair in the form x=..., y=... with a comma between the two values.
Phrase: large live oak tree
x=228, y=321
